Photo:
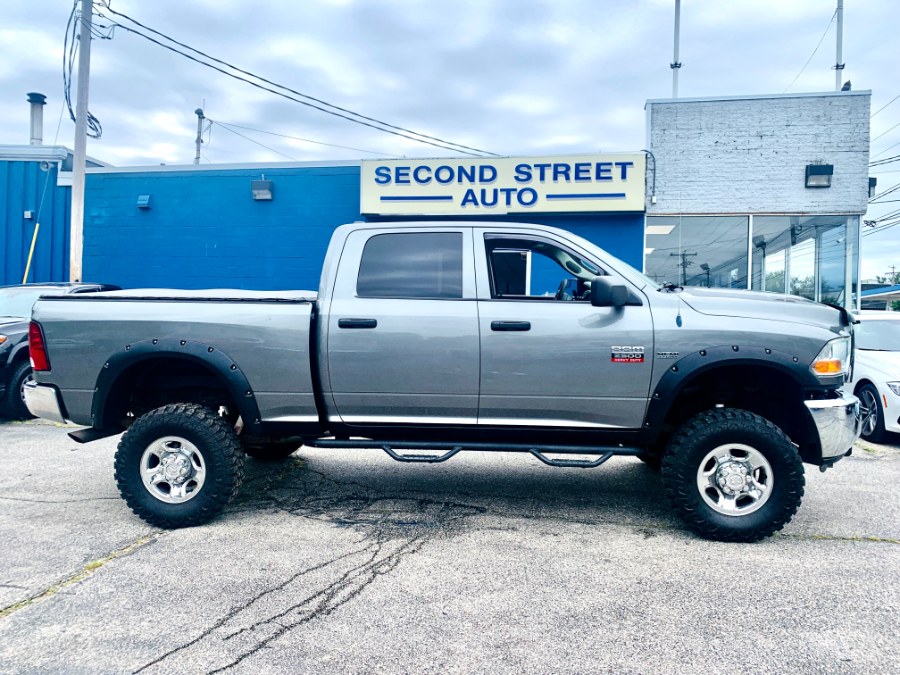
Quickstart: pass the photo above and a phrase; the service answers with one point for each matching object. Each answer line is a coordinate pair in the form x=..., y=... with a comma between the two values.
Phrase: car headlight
x=834, y=359
x=3, y=339
x=895, y=387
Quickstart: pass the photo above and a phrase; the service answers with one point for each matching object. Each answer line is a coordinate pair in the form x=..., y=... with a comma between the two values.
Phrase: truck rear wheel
x=732, y=475
x=179, y=465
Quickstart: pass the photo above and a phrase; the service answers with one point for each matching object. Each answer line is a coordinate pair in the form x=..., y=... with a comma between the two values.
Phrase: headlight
x=3, y=339
x=895, y=387
x=834, y=359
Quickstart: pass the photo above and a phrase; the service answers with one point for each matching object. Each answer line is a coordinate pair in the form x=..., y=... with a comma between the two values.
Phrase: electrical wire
x=884, y=106
x=369, y=121
x=886, y=160
x=886, y=149
x=891, y=189
x=821, y=40
x=298, y=138
x=70, y=48
x=885, y=132
x=277, y=152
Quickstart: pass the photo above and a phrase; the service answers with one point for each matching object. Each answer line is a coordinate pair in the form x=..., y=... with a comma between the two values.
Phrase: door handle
x=510, y=325
x=357, y=323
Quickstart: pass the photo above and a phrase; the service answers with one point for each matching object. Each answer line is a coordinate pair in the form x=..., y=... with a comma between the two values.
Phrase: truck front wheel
x=179, y=465
x=732, y=475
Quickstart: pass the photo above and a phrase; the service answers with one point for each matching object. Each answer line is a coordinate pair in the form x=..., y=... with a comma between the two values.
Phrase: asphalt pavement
x=346, y=561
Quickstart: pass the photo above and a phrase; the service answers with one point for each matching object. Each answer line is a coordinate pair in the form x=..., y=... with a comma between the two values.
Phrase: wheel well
x=768, y=392
x=155, y=382
x=859, y=385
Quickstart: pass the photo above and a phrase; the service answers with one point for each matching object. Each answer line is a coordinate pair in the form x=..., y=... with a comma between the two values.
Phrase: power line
x=372, y=121
x=298, y=138
x=887, y=148
x=885, y=106
x=886, y=160
x=886, y=132
x=891, y=189
x=821, y=40
x=70, y=49
x=277, y=152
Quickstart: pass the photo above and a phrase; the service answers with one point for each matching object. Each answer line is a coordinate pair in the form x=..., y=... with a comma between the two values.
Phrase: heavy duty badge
x=627, y=354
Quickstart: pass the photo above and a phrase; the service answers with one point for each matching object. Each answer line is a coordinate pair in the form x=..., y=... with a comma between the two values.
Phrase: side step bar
x=452, y=449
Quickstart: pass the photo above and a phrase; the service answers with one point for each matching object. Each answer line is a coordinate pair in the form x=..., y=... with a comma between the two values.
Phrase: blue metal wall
x=204, y=230
x=24, y=186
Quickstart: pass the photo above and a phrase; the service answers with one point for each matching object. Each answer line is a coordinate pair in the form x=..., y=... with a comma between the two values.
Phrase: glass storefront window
x=708, y=251
x=812, y=256
x=804, y=255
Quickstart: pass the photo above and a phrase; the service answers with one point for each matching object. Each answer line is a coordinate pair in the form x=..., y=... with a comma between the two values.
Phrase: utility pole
x=684, y=264
x=199, y=113
x=676, y=64
x=892, y=279
x=76, y=232
x=838, y=64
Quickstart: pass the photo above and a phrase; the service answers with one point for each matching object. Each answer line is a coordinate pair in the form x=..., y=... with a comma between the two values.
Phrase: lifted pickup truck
x=448, y=336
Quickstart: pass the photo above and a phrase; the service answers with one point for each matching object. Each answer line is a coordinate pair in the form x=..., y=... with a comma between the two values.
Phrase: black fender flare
x=17, y=350
x=196, y=352
x=681, y=372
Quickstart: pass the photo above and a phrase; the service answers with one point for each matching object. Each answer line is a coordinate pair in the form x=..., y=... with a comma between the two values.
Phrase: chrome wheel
x=28, y=378
x=173, y=469
x=735, y=479
x=868, y=410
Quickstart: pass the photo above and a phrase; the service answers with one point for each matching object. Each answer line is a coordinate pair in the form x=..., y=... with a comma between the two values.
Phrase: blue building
x=203, y=227
x=34, y=208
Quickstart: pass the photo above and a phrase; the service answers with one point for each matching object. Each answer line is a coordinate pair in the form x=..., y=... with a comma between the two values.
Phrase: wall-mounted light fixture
x=819, y=175
x=262, y=189
x=143, y=201
x=873, y=182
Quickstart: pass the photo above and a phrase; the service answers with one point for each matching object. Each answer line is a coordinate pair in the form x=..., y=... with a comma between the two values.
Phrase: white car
x=876, y=373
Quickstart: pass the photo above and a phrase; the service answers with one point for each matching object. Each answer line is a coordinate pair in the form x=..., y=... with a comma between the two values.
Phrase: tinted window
x=411, y=265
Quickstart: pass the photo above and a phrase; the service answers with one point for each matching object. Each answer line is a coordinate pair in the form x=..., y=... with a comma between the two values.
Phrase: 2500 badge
x=627, y=354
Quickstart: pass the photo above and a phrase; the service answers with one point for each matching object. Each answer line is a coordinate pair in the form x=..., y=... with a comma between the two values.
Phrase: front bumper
x=44, y=401
x=838, y=424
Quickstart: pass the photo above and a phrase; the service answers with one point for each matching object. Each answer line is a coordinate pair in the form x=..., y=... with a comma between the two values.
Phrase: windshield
x=17, y=302
x=878, y=335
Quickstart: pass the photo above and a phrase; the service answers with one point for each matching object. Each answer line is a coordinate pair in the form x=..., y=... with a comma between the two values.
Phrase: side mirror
x=606, y=293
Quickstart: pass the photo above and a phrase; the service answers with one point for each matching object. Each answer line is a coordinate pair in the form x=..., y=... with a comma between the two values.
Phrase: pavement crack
x=75, y=577
x=57, y=501
x=246, y=605
x=861, y=539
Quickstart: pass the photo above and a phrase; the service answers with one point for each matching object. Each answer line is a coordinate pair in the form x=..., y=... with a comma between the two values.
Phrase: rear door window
x=412, y=265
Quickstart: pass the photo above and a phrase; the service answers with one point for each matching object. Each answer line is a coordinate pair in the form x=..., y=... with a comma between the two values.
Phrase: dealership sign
x=477, y=187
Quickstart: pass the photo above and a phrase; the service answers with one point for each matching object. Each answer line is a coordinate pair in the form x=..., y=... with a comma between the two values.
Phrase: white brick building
x=730, y=206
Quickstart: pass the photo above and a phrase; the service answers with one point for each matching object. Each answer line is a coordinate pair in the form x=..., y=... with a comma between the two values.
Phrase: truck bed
x=265, y=332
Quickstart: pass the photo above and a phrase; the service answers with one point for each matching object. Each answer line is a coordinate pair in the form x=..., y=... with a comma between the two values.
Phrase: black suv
x=15, y=313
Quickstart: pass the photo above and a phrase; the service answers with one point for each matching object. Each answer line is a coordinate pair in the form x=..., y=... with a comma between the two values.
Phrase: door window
x=537, y=269
x=412, y=265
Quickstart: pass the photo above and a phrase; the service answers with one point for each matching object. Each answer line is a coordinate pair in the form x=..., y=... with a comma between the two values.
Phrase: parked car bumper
x=838, y=423
x=43, y=400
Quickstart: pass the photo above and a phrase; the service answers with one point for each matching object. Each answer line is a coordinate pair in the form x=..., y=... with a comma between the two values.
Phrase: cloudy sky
x=515, y=77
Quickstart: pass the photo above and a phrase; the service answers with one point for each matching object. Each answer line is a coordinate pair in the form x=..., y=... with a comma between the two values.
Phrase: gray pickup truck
x=429, y=338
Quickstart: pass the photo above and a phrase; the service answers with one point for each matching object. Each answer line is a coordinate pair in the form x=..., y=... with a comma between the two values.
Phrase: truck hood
x=760, y=305
x=7, y=320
